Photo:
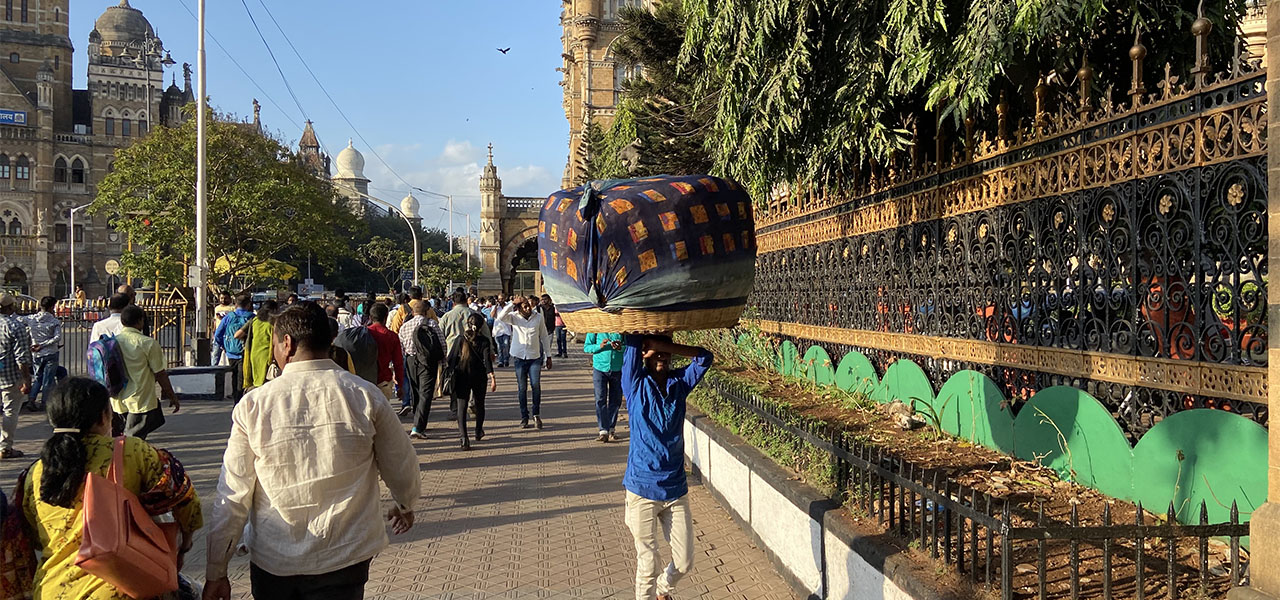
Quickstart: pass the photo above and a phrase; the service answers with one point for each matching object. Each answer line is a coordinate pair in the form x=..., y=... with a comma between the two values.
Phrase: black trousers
x=237, y=378
x=465, y=389
x=343, y=584
x=140, y=425
x=422, y=389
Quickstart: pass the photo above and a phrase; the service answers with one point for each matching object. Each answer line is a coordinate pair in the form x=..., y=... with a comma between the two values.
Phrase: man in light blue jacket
x=606, y=356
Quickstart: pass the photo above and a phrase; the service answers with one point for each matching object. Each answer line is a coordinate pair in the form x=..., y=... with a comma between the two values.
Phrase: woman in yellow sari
x=256, y=334
x=53, y=489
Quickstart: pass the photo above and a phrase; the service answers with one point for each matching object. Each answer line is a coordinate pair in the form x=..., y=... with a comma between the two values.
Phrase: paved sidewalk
x=525, y=514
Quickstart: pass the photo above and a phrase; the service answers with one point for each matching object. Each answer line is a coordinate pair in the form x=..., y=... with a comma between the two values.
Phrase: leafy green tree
x=384, y=258
x=439, y=268
x=815, y=91
x=263, y=203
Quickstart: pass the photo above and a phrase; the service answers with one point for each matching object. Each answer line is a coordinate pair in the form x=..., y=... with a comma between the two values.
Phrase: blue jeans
x=533, y=369
x=562, y=341
x=44, y=375
x=504, y=350
x=217, y=355
x=608, y=398
x=404, y=384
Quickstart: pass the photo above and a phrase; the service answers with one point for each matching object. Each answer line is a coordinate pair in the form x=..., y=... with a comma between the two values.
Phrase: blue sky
x=422, y=80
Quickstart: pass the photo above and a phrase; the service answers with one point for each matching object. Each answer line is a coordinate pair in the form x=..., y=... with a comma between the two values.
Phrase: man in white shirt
x=110, y=325
x=530, y=345
x=46, y=343
x=309, y=487
x=502, y=333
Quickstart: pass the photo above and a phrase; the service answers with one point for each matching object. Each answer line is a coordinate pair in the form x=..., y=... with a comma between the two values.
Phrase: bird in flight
x=504, y=50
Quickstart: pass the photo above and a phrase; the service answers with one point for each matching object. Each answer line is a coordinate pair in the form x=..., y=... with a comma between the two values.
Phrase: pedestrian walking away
x=302, y=467
x=15, y=372
x=51, y=493
x=256, y=336
x=110, y=325
x=144, y=362
x=606, y=376
x=471, y=370
x=423, y=342
x=530, y=347
x=453, y=323
x=46, y=346
x=390, y=354
x=234, y=348
x=657, y=491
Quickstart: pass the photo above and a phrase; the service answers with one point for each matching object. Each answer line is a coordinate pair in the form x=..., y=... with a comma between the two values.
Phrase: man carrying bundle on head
x=657, y=491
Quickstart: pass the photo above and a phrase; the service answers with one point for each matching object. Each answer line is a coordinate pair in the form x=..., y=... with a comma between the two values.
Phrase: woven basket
x=594, y=320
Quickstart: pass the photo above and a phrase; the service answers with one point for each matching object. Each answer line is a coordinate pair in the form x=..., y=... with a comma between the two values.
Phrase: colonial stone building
x=508, y=234
x=592, y=76
x=56, y=142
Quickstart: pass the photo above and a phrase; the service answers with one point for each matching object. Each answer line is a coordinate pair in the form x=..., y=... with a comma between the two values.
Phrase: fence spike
x=1042, y=552
x=1106, y=554
x=1006, y=556
x=1204, y=552
x=1137, y=557
x=1235, y=546
x=1172, y=541
x=1075, y=554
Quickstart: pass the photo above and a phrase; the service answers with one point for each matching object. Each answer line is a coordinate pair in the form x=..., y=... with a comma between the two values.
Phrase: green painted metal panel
x=971, y=407
x=789, y=356
x=856, y=374
x=906, y=381
x=1072, y=433
x=817, y=366
x=1201, y=455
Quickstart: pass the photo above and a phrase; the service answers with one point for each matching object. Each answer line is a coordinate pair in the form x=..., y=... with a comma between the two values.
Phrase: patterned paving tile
x=526, y=514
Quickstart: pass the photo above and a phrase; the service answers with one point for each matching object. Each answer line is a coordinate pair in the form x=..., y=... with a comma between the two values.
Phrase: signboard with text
x=12, y=117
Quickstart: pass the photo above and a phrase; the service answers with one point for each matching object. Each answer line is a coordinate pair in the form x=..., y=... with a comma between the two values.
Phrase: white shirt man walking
x=309, y=487
x=530, y=346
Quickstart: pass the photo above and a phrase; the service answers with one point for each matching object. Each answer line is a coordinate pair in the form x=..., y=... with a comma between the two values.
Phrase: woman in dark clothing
x=470, y=365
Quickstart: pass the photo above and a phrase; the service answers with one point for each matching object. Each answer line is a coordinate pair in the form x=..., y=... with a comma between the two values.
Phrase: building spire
x=490, y=154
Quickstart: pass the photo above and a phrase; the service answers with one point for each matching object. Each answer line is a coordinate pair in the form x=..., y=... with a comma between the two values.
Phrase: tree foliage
x=263, y=203
x=384, y=258
x=813, y=91
x=439, y=268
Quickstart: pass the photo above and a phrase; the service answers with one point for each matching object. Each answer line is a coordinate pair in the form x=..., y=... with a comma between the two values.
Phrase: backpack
x=362, y=350
x=234, y=322
x=427, y=343
x=106, y=364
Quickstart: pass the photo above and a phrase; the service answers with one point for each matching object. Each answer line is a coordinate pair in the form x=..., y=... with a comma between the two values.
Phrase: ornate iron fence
x=1121, y=247
x=1006, y=544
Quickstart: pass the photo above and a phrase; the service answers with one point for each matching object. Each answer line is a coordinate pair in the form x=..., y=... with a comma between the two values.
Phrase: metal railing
x=164, y=321
x=1007, y=544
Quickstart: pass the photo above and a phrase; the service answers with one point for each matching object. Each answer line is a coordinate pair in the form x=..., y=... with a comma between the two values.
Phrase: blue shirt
x=603, y=357
x=655, y=460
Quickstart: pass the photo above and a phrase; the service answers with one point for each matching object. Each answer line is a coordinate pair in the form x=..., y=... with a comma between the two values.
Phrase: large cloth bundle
x=658, y=254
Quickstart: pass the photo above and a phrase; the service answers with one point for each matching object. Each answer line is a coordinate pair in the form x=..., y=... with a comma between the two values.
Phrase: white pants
x=643, y=517
x=12, y=399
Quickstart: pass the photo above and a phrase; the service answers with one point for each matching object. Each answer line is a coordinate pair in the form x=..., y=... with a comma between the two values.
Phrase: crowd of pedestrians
x=318, y=387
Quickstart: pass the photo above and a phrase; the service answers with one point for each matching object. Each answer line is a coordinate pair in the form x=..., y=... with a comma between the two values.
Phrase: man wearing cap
x=15, y=372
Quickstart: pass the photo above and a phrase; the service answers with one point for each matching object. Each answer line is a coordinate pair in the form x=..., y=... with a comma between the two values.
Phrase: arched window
x=124, y=127
x=24, y=11
x=8, y=10
x=60, y=233
x=14, y=57
x=57, y=61
x=57, y=15
x=77, y=171
x=15, y=227
x=4, y=167
x=613, y=8
x=60, y=170
x=110, y=126
x=78, y=234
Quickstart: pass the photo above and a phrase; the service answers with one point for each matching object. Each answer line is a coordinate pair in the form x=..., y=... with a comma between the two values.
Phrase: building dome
x=123, y=23
x=409, y=206
x=350, y=163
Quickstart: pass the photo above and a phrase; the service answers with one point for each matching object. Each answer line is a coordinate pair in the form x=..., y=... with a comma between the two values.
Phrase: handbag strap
x=117, y=461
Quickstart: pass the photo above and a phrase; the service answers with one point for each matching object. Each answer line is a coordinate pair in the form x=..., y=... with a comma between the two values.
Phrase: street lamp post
x=72, y=241
x=417, y=254
x=468, y=216
x=203, y=349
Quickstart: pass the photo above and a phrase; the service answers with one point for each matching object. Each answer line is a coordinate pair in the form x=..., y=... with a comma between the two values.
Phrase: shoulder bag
x=122, y=544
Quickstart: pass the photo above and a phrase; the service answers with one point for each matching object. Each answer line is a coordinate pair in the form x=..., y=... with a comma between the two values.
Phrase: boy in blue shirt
x=657, y=491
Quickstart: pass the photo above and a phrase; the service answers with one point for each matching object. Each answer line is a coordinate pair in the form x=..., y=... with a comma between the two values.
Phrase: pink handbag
x=122, y=544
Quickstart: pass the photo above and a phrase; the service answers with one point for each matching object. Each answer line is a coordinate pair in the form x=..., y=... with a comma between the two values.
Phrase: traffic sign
x=112, y=267
x=406, y=275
